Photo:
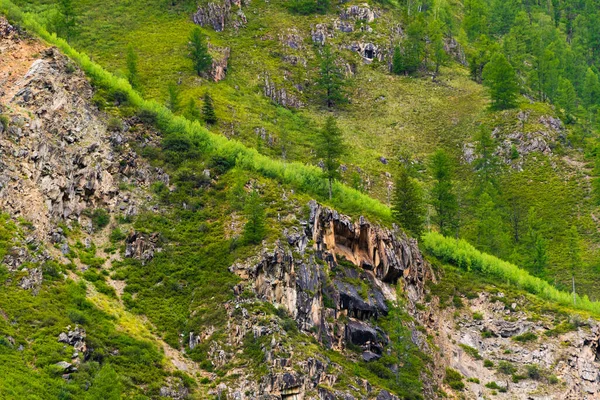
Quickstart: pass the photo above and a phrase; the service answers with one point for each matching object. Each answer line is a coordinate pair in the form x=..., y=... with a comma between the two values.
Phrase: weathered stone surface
x=141, y=246
x=74, y=337
x=280, y=95
x=359, y=12
x=220, y=15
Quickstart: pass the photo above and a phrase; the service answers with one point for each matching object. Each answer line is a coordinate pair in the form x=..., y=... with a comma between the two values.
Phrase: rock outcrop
x=279, y=94
x=218, y=16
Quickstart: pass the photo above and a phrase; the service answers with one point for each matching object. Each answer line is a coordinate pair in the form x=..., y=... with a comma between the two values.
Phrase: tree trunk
x=574, y=295
x=330, y=191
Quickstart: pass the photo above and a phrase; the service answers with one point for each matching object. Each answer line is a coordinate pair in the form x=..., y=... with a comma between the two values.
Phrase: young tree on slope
x=443, y=197
x=208, y=110
x=132, y=68
x=330, y=148
x=407, y=208
x=67, y=19
x=255, y=229
x=199, y=54
x=500, y=76
x=331, y=80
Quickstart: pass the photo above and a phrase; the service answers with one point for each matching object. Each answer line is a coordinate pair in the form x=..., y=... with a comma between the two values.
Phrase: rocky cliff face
x=335, y=278
x=60, y=158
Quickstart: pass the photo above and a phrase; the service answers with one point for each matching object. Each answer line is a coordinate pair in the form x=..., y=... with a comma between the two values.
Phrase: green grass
x=465, y=256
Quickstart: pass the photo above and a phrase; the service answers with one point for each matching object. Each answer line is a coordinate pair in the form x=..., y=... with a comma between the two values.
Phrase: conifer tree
x=500, y=76
x=208, y=110
x=535, y=244
x=331, y=80
x=199, y=53
x=591, y=89
x=491, y=236
x=444, y=199
x=191, y=111
x=486, y=164
x=174, y=101
x=573, y=255
x=397, y=61
x=255, y=228
x=67, y=18
x=132, y=68
x=437, y=45
x=408, y=209
x=330, y=148
x=105, y=386
x=475, y=21
x=566, y=96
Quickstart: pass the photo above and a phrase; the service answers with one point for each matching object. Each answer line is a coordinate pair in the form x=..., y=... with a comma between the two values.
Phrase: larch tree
x=331, y=80
x=500, y=77
x=330, y=148
x=198, y=51
x=443, y=198
x=408, y=208
x=208, y=110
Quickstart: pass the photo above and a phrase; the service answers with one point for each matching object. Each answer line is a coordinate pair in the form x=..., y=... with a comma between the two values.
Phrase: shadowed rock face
x=333, y=267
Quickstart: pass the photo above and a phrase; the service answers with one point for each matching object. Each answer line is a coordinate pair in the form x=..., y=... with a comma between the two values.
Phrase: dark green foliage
x=100, y=218
x=255, y=228
x=133, y=75
x=192, y=112
x=308, y=7
x=525, y=337
x=331, y=80
x=67, y=21
x=471, y=351
x=506, y=368
x=495, y=386
x=409, y=58
x=443, y=198
x=500, y=77
x=174, y=100
x=454, y=379
x=198, y=51
x=329, y=148
x=105, y=386
x=408, y=208
x=488, y=363
x=208, y=110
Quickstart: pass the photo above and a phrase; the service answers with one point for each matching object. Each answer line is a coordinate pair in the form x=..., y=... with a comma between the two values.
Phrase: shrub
x=488, y=363
x=533, y=371
x=495, y=386
x=114, y=124
x=100, y=218
x=471, y=351
x=454, y=379
x=4, y=121
x=525, y=337
x=506, y=368
x=477, y=316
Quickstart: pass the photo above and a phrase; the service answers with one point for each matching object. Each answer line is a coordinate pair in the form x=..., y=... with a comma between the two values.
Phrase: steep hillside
x=264, y=85
x=145, y=256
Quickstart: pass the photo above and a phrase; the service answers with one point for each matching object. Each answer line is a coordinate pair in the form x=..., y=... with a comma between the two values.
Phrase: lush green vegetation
x=464, y=255
x=29, y=329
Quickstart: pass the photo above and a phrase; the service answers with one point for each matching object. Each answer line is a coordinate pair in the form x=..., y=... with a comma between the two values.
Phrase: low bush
x=462, y=254
x=454, y=379
x=525, y=337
